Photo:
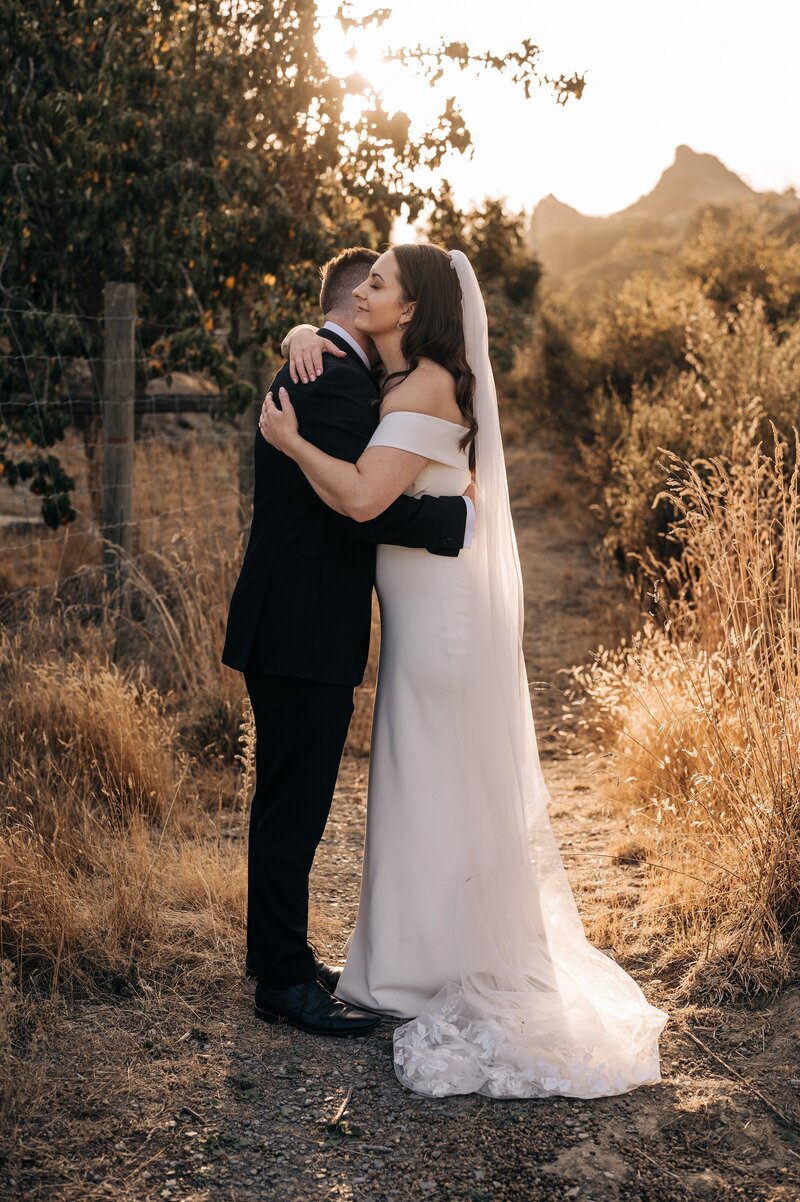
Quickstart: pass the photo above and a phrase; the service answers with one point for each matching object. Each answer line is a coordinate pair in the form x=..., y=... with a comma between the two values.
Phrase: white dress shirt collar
x=350, y=340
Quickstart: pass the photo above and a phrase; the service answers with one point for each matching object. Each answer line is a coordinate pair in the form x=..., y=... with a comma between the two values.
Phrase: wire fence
x=182, y=477
x=161, y=493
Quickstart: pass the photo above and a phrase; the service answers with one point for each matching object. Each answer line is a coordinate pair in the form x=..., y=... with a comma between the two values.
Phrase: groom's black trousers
x=301, y=727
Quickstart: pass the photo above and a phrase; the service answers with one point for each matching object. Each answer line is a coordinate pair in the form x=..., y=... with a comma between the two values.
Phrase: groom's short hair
x=341, y=274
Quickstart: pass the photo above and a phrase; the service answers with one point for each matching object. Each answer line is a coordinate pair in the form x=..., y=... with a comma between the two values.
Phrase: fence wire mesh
x=187, y=534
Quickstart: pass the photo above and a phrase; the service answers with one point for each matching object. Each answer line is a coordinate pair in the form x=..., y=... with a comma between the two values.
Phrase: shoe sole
x=268, y=1016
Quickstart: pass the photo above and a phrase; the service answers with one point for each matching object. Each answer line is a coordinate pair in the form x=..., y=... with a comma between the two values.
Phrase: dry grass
x=114, y=869
x=77, y=727
x=126, y=908
x=702, y=715
x=119, y=740
x=116, y=875
x=185, y=487
x=736, y=369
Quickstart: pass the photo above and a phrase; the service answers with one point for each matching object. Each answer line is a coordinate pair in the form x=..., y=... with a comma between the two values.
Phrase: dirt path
x=176, y=1099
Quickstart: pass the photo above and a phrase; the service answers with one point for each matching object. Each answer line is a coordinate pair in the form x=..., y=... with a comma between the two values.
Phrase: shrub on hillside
x=614, y=340
x=738, y=369
x=753, y=248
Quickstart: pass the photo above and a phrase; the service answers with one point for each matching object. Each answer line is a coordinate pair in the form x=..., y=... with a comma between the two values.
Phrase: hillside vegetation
x=676, y=379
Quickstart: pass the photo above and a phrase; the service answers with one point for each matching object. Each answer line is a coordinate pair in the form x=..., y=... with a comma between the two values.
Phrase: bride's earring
x=401, y=325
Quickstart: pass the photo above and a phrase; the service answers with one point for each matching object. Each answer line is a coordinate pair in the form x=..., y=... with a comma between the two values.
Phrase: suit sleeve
x=436, y=523
x=332, y=415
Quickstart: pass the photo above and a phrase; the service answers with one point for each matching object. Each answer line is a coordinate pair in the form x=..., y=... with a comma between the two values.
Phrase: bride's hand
x=279, y=426
x=305, y=355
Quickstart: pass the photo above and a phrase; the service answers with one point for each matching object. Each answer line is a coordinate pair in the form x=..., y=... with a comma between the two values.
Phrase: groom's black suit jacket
x=303, y=601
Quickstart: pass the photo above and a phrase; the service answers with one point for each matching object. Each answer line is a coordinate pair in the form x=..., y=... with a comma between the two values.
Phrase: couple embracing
x=467, y=928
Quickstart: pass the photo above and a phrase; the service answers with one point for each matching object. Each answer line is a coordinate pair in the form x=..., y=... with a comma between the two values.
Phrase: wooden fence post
x=118, y=407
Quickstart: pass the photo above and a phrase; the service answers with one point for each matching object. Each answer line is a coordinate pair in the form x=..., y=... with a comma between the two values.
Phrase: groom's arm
x=436, y=523
x=338, y=421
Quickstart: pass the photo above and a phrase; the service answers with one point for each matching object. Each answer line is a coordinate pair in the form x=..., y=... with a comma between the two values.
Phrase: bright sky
x=719, y=75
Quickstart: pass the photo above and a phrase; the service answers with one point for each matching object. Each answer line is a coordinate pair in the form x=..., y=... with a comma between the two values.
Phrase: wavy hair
x=436, y=329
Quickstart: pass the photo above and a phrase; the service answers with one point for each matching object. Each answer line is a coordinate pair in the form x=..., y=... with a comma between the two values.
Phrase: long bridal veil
x=536, y=1009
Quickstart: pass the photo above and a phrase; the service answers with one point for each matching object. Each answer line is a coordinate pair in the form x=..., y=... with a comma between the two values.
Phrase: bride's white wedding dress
x=467, y=926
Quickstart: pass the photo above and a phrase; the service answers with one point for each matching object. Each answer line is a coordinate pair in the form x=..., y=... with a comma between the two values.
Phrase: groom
x=298, y=628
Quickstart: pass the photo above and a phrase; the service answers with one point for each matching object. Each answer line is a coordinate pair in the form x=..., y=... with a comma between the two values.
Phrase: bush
x=738, y=370
x=703, y=714
x=620, y=337
x=752, y=248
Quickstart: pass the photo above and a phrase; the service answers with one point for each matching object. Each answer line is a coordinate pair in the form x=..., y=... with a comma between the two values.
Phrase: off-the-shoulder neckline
x=431, y=417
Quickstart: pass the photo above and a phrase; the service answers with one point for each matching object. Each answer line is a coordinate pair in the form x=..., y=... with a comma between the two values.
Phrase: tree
x=494, y=240
x=198, y=149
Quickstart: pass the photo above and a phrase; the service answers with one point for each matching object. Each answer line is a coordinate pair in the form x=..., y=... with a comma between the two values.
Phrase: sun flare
x=602, y=153
x=363, y=53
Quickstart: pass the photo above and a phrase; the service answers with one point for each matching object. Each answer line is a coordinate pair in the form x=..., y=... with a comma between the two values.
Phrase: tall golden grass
x=701, y=714
x=122, y=862
x=116, y=864
x=119, y=735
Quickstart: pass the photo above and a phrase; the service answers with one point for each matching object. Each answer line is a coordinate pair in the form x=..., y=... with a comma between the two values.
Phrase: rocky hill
x=568, y=242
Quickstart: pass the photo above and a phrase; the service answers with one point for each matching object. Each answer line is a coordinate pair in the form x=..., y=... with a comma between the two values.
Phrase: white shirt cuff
x=469, y=531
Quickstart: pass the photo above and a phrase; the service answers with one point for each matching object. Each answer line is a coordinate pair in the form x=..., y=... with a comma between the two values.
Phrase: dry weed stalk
x=246, y=757
x=132, y=911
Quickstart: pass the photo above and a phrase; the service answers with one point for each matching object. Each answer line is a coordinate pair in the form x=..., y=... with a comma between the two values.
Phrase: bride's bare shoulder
x=430, y=389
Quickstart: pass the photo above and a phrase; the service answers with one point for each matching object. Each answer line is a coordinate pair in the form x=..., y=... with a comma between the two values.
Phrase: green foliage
x=135, y=145
x=494, y=240
x=198, y=149
x=739, y=372
x=753, y=248
x=675, y=358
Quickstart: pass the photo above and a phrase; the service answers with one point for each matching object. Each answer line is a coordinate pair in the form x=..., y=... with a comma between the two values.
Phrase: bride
x=467, y=927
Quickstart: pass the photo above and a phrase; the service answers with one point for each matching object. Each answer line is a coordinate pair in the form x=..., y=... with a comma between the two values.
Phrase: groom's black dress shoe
x=311, y=1008
x=327, y=976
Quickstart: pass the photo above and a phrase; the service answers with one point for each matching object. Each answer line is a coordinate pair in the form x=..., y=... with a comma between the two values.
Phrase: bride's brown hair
x=436, y=328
